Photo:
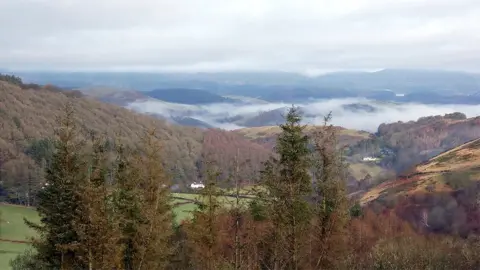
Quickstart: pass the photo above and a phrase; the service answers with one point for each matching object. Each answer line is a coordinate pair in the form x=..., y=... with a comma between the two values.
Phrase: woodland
x=104, y=198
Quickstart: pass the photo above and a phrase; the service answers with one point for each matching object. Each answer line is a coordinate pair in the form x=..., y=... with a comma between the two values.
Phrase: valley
x=423, y=170
x=239, y=135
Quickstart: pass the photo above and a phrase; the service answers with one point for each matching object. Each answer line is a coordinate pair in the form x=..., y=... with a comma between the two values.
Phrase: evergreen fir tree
x=153, y=237
x=203, y=232
x=142, y=201
x=97, y=228
x=288, y=184
x=58, y=201
x=126, y=204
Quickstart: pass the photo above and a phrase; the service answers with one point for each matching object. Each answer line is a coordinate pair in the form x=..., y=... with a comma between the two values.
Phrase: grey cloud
x=212, y=34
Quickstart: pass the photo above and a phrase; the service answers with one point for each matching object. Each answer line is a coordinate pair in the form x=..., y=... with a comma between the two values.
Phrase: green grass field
x=13, y=227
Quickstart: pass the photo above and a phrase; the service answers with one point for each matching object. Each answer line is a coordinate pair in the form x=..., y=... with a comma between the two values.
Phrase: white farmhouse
x=196, y=185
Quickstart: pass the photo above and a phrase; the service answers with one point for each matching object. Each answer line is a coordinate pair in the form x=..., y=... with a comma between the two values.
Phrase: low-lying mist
x=352, y=113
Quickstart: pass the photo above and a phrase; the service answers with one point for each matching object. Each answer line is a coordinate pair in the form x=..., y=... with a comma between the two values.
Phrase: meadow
x=12, y=229
x=15, y=234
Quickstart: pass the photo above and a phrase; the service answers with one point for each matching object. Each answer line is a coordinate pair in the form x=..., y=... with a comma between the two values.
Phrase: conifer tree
x=288, y=184
x=58, y=201
x=331, y=212
x=152, y=240
x=203, y=231
x=126, y=203
x=142, y=202
x=97, y=228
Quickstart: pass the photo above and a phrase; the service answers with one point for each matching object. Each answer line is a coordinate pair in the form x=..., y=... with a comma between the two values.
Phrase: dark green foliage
x=288, y=185
x=58, y=200
x=257, y=210
x=17, y=122
x=41, y=150
x=356, y=210
x=126, y=200
x=292, y=149
x=27, y=261
x=11, y=79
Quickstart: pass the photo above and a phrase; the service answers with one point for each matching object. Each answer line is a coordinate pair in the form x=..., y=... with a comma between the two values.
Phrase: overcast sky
x=212, y=35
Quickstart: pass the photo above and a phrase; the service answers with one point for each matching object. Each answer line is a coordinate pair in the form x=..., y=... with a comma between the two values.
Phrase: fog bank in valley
x=368, y=116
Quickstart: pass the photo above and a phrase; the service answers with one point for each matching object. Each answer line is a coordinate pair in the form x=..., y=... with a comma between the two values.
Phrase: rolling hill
x=115, y=96
x=439, y=195
x=455, y=169
x=413, y=142
x=29, y=115
x=267, y=135
x=27, y=119
x=186, y=96
x=358, y=170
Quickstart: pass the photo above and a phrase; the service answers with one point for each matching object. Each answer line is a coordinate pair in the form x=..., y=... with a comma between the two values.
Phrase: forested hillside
x=28, y=115
x=438, y=195
x=409, y=143
x=27, y=118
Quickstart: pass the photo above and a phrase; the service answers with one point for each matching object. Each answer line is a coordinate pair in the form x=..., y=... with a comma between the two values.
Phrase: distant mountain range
x=393, y=79
x=398, y=85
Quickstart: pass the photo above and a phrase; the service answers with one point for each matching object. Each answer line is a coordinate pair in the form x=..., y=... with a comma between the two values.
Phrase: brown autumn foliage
x=27, y=117
x=374, y=241
x=226, y=147
x=418, y=140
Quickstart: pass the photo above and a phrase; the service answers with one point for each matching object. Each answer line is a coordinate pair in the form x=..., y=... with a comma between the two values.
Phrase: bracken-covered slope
x=455, y=169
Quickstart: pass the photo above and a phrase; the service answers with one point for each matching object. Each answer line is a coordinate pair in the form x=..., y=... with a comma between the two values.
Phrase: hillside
x=266, y=135
x=115, y=96
x=186, y=96
x=413, y=142
x=358, y=170
x=457, y=168
x=439, y=190
x=27, y=118
x=229, y=150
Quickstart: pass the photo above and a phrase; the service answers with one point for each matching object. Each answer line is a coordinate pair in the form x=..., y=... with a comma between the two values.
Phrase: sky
x=213, y=114
x=309, y=36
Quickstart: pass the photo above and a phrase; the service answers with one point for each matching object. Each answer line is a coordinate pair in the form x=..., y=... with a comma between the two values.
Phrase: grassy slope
x=360, y=170
x=13, y=227
x=443, y=172
x=266, y=131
